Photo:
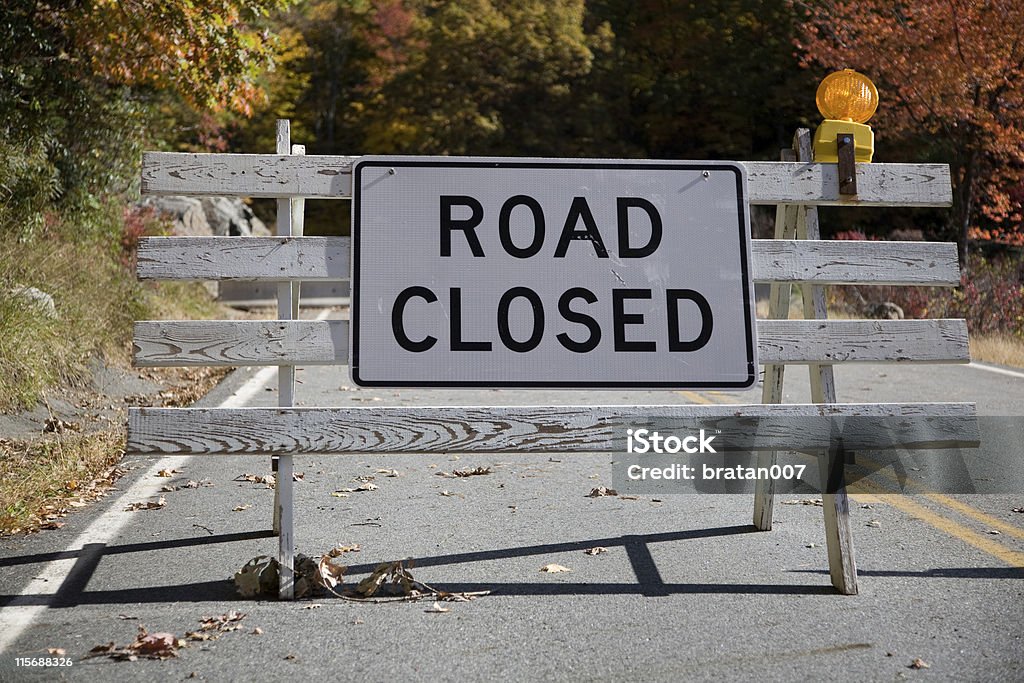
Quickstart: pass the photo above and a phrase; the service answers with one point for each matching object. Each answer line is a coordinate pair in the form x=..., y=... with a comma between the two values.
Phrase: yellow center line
x=969, y=536
x=902, y=503
x=951, y=503
x=694, y=397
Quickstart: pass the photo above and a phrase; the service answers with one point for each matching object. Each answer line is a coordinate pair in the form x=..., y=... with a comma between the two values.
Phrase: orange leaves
x=209, y=51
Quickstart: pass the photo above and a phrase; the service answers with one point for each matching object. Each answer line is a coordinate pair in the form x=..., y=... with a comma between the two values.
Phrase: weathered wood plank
x=243, y=258
x=330, y=177
x=774, y=182
x=247, y=175
x=533, y=429
x=862, y=341
x=327, y=258
x=240, y=342
x=855, y=262
x=315, y=342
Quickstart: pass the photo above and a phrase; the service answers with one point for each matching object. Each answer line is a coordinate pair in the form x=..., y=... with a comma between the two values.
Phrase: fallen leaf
x=148, y=505
x=447, y=493
x=239, y=508
x=366, y=487
x=267, y=480
x=1020, y=509
x=474, y=472
x=596, y=550
x=436, y=608
x=289, y=657
x=554, y=569
x=257, y=631
x=330, y=573
x=804, y=501
x=811, y=545
x=167, y=473
x=59, y=651
x=340, y=549
x=167, y=488
x=993, y=532
x=339, y=494
x=918, y=663
x=601, y=491
x=874, y=523
x=388, y=473
x=223, y=622
x=629, y=498
x=127, y=617
x=298, y=476
x=315, y=605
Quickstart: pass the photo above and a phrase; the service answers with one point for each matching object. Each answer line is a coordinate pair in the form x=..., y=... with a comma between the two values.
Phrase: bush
x=990, y=297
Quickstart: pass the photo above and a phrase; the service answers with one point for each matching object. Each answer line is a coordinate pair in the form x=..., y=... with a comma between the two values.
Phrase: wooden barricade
x=795, y=257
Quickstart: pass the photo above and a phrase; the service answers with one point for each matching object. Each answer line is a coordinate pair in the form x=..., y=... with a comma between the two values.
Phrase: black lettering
x=620, y=319
x=397, y=325
x=505, y=232
x=582, y=318
x=468, y=225
x=504, y=331
x=580, y=209
x=624, y=204
x=673, y=297
x=455, y=326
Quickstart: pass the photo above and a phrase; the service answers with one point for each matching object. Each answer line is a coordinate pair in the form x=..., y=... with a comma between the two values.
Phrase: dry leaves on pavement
x=157, y=504
x=554, y=569
x=601, y=491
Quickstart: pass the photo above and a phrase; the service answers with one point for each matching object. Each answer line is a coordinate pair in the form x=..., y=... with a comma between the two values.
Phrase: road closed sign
x=498, y=272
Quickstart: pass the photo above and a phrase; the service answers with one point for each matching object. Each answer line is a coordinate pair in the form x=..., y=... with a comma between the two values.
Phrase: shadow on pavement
x=648, y=582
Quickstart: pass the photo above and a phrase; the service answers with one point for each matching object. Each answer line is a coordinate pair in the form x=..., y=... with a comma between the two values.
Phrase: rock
x=220, y=216
x=186, y=212
x=886, y=310
x=37, y=298
x=231, y=216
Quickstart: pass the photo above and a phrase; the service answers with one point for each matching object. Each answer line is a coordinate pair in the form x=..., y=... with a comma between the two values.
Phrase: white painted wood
x=327, y=258
x=240, y=342
x=330, y=177
x=316, y=342
x=247, y=175
x=286, y=293
x=772, y=182
x=243, y=258
x=774, y=373
x=486, y=429
x=855, y=262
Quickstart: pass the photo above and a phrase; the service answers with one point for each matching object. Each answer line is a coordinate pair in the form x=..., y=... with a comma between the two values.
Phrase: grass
x=97, y=298
x=998, y=349
x=42, y=480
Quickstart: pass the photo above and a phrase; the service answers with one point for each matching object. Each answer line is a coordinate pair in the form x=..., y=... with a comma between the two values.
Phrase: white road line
x=996, y=369
x=21, y=613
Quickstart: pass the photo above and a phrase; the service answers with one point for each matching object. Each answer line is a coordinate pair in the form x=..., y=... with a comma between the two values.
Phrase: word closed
x=534, y=273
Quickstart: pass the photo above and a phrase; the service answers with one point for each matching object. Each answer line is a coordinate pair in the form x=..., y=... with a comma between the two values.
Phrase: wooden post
x=838, y=535
x=287, y=301
x=774, y=375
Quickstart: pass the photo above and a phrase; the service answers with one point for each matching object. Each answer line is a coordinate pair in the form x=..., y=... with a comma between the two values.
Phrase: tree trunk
x=962, y=212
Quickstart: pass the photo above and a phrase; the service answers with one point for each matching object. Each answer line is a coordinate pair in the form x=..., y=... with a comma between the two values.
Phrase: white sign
x=500, y=272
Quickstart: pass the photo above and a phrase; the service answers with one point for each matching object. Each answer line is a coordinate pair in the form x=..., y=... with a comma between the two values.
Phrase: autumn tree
x=478, y=76
x=84, y=85
x=951, y=80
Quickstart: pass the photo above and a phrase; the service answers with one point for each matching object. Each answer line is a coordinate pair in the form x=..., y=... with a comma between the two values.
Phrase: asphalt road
x=686, y=591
